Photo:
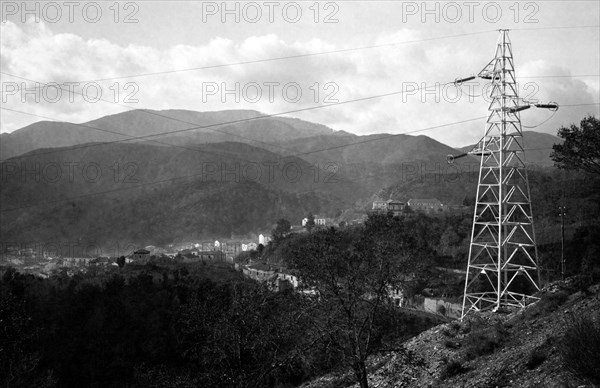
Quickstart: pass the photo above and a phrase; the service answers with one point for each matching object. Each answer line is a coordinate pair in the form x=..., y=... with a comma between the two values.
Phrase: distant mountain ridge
x=215, y=181
x=187, y=127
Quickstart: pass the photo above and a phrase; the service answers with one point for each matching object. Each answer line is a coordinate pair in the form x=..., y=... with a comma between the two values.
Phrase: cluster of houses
x=425, y=205
x=205, y=251
x=428, y=205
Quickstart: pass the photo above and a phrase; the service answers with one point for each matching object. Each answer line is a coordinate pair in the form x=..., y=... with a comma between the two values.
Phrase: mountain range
x=149, y=177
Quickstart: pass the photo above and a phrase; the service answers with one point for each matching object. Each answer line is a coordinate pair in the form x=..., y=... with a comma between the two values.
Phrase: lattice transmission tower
x=502, y=270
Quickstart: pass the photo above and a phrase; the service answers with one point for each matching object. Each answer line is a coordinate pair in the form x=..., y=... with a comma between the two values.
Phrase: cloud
x=33, y=51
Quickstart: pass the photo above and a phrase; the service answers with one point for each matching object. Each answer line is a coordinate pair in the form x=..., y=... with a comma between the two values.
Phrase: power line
x=158, y=115
x=390, y=136
x=265, y=60
x=520, y=76
x=322, y=53
x=213, y=126
x=237, y=121
x=587, y=104
x=292, y=111
x=560, y=76
x=216, y=66
x=97, y=144
x=193, y=175
x=318, y=53
x=371, y=177
x=210, y=127
x=551, y=28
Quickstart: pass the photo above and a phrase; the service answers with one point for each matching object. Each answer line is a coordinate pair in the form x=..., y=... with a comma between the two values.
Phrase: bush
x=452, y=344
x=451, y=369
x=484, y=341
x=452, y=329
x=441, y=309
x=549, y=303
x=580, y=347
x=536, y=358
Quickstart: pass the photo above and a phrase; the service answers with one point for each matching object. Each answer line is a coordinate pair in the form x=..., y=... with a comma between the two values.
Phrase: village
x=42, y=262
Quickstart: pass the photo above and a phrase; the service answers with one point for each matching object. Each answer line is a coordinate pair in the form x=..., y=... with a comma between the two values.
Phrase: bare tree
x=351, y=272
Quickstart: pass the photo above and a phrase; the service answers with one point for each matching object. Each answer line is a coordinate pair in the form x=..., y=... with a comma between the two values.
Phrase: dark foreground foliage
x=580, y=347
x=159, y=327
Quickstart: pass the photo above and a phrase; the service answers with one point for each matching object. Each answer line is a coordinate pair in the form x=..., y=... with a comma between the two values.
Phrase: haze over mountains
x=63, y=181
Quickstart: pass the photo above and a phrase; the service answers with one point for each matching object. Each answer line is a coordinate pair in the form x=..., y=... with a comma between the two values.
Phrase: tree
x=352, y=272
x=121, y=261
x=581, y=147
x=242, y=334
x=282, y=230
x=310, y=223
x=18, y=358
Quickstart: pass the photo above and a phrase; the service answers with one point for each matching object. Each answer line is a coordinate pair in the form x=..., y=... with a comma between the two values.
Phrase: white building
x=249, y=247
x=322, y=221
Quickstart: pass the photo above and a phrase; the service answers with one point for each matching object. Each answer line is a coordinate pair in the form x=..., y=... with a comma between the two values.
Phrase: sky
x=207, y=56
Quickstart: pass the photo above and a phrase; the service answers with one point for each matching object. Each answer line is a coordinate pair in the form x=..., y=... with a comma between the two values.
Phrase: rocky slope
x=518, y=349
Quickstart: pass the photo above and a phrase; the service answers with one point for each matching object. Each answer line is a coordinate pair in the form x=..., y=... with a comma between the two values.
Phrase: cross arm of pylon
x=490, y=73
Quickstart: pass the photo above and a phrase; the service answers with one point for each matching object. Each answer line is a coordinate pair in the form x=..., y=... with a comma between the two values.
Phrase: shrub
x=451, y=369
x=484, y=341
x=548, y=303
x=580, y=347
x=441, y=309
x=455, y=325
x=448, y=333
x=452, y=344
x=452, y=329
x=536, y=358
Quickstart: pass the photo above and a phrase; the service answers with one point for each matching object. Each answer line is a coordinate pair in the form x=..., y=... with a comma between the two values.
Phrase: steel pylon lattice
x=502, y=269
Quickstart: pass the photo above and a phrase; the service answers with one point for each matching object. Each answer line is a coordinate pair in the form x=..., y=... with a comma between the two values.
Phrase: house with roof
x=141, y=256
x=201, y=257
x=428, y=205
x=390, y=205
x=319, y=220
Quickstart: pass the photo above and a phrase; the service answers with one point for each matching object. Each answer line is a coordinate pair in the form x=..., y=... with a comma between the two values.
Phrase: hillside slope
x=520, y=349
x=379, y=160
x=148, y=194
